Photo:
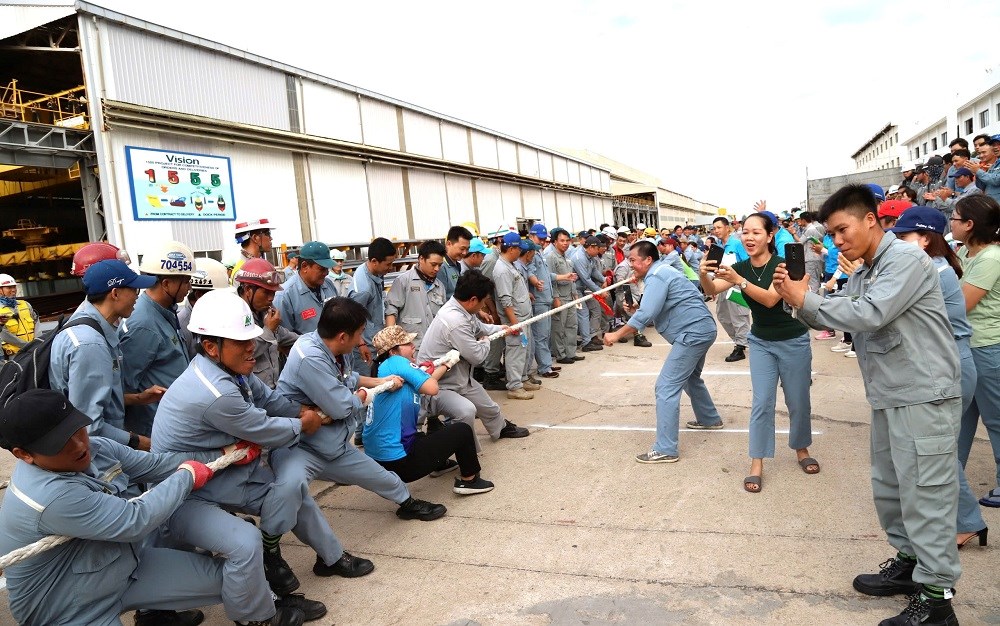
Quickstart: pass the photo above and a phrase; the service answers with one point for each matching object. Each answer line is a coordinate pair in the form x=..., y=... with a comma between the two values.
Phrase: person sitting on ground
x=391, y=435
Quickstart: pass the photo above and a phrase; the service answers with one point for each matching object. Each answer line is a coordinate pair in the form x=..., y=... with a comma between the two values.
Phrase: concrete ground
x=577, y=532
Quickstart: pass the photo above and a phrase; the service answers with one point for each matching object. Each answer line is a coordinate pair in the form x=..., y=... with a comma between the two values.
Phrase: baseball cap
x=40, y=421
x=103, y=276
x=292, y=254
x=594, y=241
x=511, y=239
x=892, y=190
x=770, y=216
x=527, y=245
x=934, y=160
x=920, y=218
x=390, y=337
x=477, y=246
x=877, y=191
x=893, y=208
x=963, y=171
x=318, y=252
x=583, y=233
x=538, y=230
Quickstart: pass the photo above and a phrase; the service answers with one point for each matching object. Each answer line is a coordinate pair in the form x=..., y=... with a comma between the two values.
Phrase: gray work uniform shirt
x=588, y=276
x=894, y=310
x=540, y=270
x=454, y=328
x=674, y=306
x=511, y=290
x=450, y=271
x=299, y=305
x=82, y=582
x=207, y=409
x=154, y=354
x=413, y=302
x=369, y=292
x=87, y=366
x=559, y=264
x=268, y=351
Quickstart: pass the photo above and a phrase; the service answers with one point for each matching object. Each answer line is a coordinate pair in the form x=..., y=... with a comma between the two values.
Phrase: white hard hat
x=640, y=226
x=170, y=259
x=249, y=226
x=623, y=230
x=209, y=274
x=6, y=280
x=610, y=232
x=338, y=255
x=222, y=313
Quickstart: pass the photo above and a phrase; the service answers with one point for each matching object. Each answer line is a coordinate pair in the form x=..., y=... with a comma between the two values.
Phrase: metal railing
x=66, y=108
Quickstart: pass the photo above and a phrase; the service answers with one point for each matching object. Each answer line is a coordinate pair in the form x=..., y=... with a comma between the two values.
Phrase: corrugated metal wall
x=162, y=73
x=330, y=112
x=385, y=195
x=511, y=195
x=484, y=149
x=378, y=121
x=531, y=198
x=564, y=211
x=559, y=171
x=545, y=166
x=455, y=140
x=573, y=170
x=550, y=217
x=579, y=220
x=460, y=203
x=422, y=133
x=528, y=160
x=340, y=199
x=507, y=155
x=490, y=205
x=429, y=201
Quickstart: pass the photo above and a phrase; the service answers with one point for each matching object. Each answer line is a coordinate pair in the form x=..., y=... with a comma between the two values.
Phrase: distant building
x=880, y=152
x=977, y=115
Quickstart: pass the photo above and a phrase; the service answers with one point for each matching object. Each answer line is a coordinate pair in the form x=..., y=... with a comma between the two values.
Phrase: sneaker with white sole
x=472, y=487
x=843, y=346
x=851, y=354
x=826, y=334
x=655, y=457
x=520, y=394
x=448, y=465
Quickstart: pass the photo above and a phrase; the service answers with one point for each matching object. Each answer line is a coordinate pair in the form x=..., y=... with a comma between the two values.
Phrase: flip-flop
x=992, y=499
x=806, y=463
x=752, y=480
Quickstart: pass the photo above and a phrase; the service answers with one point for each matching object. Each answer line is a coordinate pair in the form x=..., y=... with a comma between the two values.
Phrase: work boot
x=924, y=611
x=347, y=566
x=169, y=618
x=511, y=430
x=895, y=576
x=590, y=346
x=311, y=609
x=641, y=341
x=493, y=382
x=284, y=617
x=738, y=354
x=530, y=386
x=420, y=509
x=519, y=394
x=279, y=575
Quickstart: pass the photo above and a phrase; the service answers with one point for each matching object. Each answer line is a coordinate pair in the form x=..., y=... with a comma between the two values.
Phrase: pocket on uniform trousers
x=935, y=460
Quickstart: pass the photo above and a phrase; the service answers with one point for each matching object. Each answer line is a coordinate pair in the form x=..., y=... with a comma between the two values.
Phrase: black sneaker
x=895, y=576
x=421, y=510
x=279, y=575
x=478, y=374
x=358, y=441
x=472, y=487
x=284, y=617
x=738, y=354
x=924, y=611
x=577, y=357
x=169, y=618
x=311, y=609
x=433, y=424
x=641, y=341
x=494, y=383
x=591, y=347
x=566, y=360
x=447, y=465
x=513, y=431
x=348, y=566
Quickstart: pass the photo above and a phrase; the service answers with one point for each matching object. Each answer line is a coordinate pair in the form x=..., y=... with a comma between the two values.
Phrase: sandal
x=808, y=462
x=752, y=480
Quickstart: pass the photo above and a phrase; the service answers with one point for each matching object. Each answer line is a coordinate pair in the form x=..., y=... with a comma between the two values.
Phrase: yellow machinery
x=33, y=237
x=66, y=108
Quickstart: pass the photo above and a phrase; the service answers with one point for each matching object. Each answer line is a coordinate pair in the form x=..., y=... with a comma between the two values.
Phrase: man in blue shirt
x=735, y=319
x=302, y=299
x=676, y=309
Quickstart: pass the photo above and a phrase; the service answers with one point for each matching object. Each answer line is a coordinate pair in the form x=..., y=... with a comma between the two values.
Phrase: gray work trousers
x=515, y=357
x=915, y=485
x=735, y=319
x=492, y=362
x=814, y=270
x=563, y=338
x=465, y=405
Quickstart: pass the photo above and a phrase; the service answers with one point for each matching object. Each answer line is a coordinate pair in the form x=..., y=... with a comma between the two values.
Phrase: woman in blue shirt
x=390, y=433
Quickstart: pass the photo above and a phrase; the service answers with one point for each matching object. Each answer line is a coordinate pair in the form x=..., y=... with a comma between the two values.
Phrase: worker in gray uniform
x=86, y=365
x=216, y=402
x=564, y=323
x=514, y=304
x=494, y=376
x=456, y=245
x=319, y=372
x=894, y=309
x=257, y=282
x=66, y=483
x=589, y=280
x=152, y=347
x=417, y=294
x=369, y=292
x=544, y=300
x=458, y=327
x=303, y=296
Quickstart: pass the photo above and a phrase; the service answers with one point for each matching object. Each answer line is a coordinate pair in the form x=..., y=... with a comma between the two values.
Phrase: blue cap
x=103, y=276
x=538, y=230
x=477, y=245
x=770, y=216
x=528, y=245
x=920, y=218
x=511, y=239
x=291, y=254
x=877, y=191
x=318, y=252
x=963, y=171
x=583, y=233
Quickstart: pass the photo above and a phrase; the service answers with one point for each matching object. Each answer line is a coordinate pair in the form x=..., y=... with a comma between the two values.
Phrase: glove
x=253, y=451
x=452, y=358
x=427, y=366
x=200, y=472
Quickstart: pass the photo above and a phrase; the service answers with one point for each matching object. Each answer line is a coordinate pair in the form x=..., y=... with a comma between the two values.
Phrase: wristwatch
x=743, y=285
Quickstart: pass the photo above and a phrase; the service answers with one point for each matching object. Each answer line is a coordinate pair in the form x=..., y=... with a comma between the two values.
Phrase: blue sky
x=725, y=101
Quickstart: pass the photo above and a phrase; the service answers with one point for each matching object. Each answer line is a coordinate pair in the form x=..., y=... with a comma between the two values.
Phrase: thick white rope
x=45, y=543
x=531, y=320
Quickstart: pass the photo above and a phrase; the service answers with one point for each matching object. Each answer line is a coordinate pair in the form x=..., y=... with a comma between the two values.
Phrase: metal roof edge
x=872, y=140
x=923, y=130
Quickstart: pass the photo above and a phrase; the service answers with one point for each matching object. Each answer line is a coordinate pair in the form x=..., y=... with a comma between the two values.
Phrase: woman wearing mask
x=976, y=221
x=779, y=349
x=924, y=227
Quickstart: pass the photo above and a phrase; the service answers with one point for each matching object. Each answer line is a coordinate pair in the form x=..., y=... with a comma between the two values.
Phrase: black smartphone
x=795, y=260
x=715, y=253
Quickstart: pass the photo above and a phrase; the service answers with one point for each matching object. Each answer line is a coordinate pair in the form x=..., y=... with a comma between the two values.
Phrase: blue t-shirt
x=391, y=425
x=781, y=238
x=734, y=245
x=831, y=255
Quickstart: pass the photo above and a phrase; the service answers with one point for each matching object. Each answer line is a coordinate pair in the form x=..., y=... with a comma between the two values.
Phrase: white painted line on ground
x=704, y=373
x=647, y=429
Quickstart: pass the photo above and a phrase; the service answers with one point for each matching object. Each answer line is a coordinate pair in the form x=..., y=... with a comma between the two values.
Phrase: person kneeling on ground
x=391, y=435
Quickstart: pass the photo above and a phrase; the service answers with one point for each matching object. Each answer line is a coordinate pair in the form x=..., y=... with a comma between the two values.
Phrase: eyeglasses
x=959, y=219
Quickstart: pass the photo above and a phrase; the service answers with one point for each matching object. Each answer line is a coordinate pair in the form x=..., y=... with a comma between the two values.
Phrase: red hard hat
x=94, y=252
x=260, y=272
